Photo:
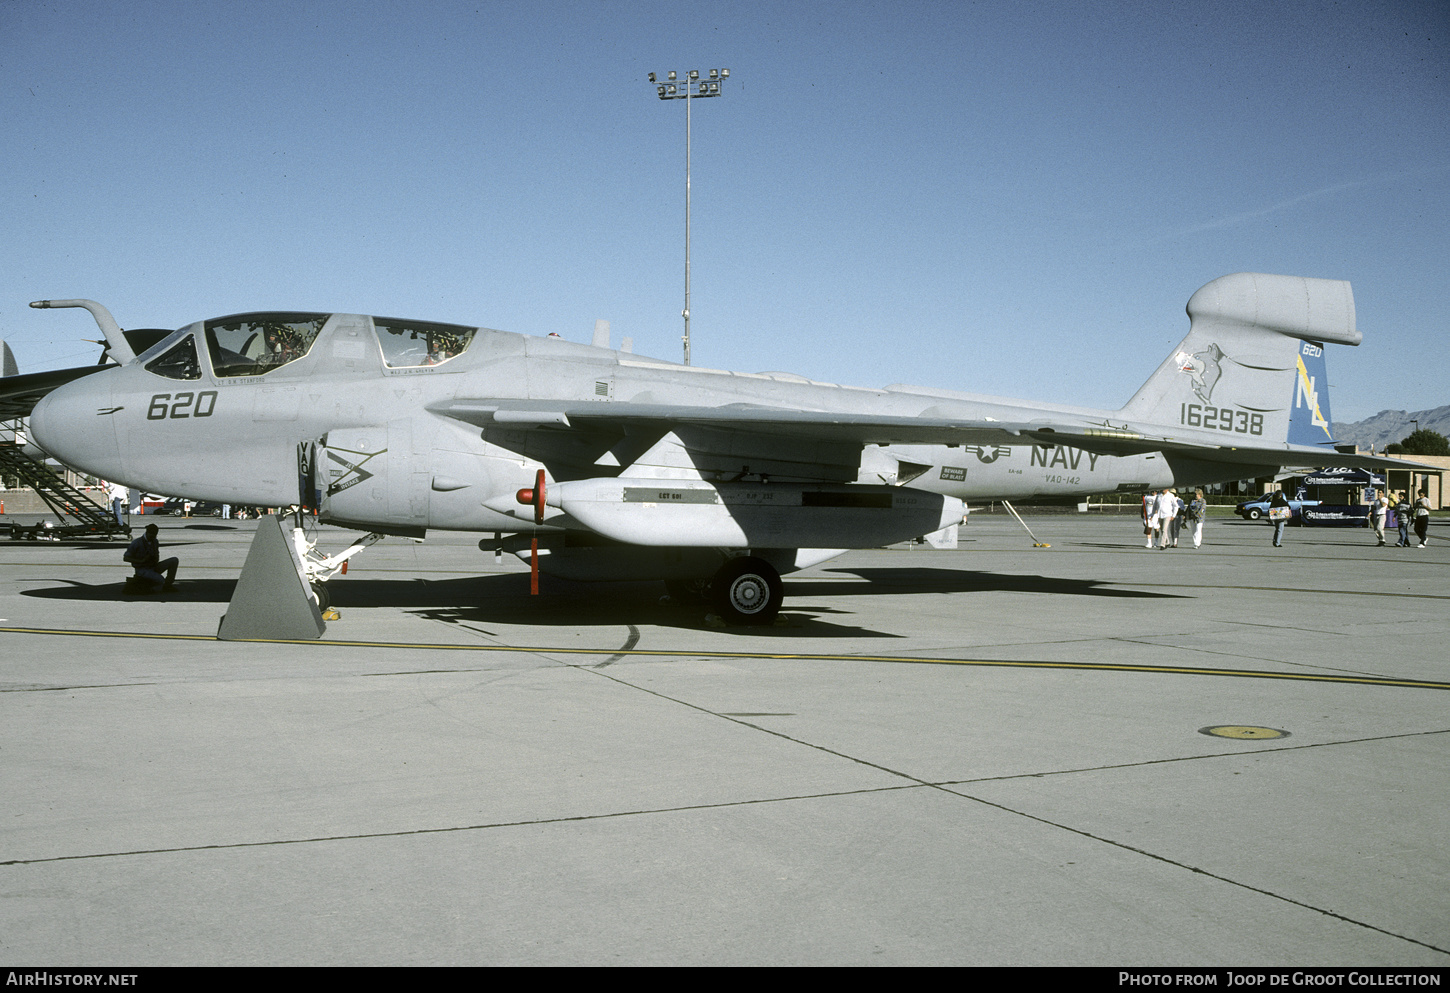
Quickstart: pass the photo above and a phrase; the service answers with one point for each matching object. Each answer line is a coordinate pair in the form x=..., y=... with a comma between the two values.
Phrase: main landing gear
x=747, y=590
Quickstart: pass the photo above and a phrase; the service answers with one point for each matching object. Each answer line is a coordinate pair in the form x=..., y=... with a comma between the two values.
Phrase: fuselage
x=213, y=417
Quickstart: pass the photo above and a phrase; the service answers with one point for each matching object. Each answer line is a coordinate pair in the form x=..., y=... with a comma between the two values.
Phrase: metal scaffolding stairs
x=79, y=516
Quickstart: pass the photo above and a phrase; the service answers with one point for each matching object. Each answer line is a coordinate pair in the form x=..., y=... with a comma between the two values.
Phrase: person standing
x=1377, y=512
x=1161, y=513
x=1168, y=512
x=1279, y=513
x=1149, y=510
x=119, y=495
x=1175, y=523
x=1422, y=517
x=1197, y=511
x=1402, y=518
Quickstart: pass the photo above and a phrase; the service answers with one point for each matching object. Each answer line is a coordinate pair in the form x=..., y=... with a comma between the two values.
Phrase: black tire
x=748, y=591
x=1254, y=515
x=324, y=598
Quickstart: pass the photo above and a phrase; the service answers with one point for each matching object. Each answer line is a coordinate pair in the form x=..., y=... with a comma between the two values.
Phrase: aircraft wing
x=808, y=427
x=20, y=394
x=1127, y=442
x=778, y=422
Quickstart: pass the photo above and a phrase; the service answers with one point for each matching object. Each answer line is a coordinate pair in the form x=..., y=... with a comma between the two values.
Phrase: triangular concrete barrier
x=272, y=599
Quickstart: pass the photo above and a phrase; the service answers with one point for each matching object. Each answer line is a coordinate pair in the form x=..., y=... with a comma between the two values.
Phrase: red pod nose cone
x=534, y=497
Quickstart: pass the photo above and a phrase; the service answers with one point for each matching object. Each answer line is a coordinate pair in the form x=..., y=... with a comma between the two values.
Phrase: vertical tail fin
x=1252, y=364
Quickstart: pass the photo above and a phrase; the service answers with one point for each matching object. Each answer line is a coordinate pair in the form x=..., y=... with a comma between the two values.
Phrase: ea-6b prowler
x=602, y=464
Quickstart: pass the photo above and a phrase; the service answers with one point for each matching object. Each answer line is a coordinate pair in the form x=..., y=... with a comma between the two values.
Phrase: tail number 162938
x=1220, y=419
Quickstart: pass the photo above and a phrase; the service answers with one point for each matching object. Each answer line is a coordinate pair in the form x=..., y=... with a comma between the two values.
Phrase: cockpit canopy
x=252, y=344
x=256, y=344
x=420, y=343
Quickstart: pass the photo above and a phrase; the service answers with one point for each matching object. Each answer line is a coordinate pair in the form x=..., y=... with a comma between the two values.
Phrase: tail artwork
x=1252, y=365
x=1310, y=421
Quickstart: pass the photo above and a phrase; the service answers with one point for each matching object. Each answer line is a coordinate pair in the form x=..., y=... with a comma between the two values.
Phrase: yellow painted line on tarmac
x=1307, y=677
x=112, y=634
x=1280, y=589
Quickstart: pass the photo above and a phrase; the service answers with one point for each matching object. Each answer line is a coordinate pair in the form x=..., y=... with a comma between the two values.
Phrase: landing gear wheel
x=324, y=598
x=748, y=591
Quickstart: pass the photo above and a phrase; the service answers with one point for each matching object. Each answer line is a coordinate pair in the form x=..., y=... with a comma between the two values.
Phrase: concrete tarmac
x=990, y=756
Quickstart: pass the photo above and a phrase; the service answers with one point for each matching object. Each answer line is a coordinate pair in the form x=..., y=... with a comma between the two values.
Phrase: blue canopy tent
x=1342, y=494
x=1345, y=477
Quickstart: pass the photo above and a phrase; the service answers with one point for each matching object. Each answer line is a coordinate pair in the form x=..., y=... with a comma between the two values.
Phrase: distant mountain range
x=1392, y=425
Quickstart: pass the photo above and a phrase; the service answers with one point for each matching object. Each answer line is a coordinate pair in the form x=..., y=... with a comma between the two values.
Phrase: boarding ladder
x=79, y=516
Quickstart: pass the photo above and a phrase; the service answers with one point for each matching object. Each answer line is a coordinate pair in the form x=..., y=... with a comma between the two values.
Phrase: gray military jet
x=602, y=464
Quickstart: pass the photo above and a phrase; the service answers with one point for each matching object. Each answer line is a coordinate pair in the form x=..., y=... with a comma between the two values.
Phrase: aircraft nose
x=75, y=424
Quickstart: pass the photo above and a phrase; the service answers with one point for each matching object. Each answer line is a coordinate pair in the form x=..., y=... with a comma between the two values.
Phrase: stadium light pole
x=673, y=88
x=1412, y=475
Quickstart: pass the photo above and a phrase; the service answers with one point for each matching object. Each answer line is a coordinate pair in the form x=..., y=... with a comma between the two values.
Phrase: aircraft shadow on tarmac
x=73, y=543
x=193, y=591
x=924, y=580
x=495, y=599
x=504, y=599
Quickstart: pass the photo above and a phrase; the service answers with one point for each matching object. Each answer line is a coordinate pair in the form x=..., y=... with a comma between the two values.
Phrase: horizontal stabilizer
x=1321, y=310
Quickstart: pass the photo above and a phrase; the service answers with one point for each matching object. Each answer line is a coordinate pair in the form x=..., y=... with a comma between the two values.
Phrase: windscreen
x=177, y=362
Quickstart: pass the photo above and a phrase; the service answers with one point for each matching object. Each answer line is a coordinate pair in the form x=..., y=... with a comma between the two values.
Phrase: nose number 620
x=164, y=405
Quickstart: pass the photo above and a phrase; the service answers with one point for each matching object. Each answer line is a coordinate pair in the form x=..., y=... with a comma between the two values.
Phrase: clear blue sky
x=1005, y=197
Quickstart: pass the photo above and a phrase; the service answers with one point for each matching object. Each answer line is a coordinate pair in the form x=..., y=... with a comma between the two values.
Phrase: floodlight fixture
x=691, y=87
